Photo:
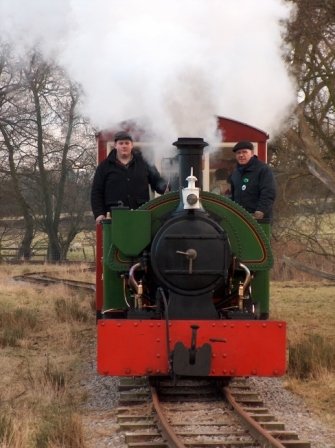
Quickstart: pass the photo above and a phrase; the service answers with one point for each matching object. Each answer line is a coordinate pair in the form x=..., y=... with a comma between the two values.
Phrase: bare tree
x=304, y=154
x=46, y=141
x=312, y=61
x=12, y=122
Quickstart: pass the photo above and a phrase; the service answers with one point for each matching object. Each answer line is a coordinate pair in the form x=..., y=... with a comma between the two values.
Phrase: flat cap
x=243, y=144
x=122, y=135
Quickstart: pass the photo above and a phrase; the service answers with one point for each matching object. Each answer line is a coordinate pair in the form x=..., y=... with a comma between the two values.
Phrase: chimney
x=190, y=150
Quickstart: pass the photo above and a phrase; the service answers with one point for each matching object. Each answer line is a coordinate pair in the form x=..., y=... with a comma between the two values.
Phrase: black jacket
x=114, y=182
x=253, y=186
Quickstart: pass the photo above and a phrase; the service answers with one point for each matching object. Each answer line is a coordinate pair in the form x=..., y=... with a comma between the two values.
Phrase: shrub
x=6, y=429
x=15, y=325
x=70, y=310
x=54, y=377
x=310, y=357
x=59, y=427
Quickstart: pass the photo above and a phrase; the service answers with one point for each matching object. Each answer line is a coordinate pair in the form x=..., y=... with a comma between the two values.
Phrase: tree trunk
x=25, y=251
x=54, y=254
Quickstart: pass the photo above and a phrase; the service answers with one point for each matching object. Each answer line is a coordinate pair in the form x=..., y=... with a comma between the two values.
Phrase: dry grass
x=83, y=272
x=44, y=338
x=309, y=310
x=41, y=363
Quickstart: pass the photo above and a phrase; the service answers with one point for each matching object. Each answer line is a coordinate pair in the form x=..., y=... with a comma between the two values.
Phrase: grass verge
x=309, y=309
x=44, y=338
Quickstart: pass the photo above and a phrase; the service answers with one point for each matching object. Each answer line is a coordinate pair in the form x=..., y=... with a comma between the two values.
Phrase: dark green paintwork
x=131, y=231
x=261, y=282
x=253, y=249
x=113, y=287
x=248, y=240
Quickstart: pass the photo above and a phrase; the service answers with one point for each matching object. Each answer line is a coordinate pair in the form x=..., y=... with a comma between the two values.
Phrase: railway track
x=199, y=414
x=44, y=279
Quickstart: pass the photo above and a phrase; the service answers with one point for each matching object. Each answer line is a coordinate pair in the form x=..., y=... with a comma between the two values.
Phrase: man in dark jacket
x=252, y=183
x=253, y=187
x=123, y=178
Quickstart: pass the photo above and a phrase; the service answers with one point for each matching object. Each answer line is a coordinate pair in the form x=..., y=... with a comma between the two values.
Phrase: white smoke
x=174, y=64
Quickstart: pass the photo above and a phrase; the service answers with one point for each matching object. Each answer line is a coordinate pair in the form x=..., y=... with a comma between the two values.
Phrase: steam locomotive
x=183, y=288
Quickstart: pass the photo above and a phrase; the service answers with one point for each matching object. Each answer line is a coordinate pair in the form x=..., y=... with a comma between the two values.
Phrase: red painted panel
x=239, y=348
x=233, y=131
x=102, y=150
x=262, y=152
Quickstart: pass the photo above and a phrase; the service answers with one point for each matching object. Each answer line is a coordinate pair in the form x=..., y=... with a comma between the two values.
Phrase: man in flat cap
x=252, y=183
x=123, y=178
x=253, y=186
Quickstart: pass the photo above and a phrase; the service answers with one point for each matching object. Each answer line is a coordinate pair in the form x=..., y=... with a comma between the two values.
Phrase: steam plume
x=174, y=64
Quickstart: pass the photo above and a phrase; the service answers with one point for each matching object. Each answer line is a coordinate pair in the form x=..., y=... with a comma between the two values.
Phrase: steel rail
x=256, y=430
x=40, y=277
x=167, y=430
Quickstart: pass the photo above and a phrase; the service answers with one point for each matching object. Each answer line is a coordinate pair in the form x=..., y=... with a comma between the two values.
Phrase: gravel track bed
x=99, y=411
x=292, y=411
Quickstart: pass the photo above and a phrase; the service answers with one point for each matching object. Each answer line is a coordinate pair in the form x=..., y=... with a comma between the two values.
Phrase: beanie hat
x=122, y=135
x=243, y=144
